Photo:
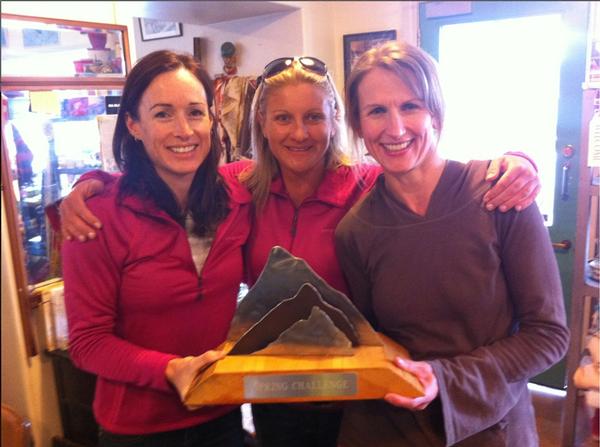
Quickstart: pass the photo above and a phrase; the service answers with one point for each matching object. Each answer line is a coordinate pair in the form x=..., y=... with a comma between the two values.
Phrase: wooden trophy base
x=367, y=374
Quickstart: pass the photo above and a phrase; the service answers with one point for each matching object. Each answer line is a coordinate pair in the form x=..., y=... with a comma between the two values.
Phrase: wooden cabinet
x=75, y=389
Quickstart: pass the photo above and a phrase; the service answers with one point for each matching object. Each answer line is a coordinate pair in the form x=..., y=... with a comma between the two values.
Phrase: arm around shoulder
x=77, y=222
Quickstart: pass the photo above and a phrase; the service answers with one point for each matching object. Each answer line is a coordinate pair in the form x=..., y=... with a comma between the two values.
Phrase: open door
x=512, y=75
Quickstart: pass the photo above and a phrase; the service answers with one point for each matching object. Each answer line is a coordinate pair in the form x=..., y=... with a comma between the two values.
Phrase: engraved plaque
x=299, y=385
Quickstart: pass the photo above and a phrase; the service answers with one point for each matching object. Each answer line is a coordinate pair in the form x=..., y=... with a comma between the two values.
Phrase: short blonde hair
x=266, y=168
x=412, y=65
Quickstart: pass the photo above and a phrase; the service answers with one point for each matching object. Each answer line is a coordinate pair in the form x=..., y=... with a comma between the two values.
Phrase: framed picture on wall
x=356, y=44
x=151, y=29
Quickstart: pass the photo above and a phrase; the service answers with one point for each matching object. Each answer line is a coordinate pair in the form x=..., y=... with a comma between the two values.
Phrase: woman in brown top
x=474, y=296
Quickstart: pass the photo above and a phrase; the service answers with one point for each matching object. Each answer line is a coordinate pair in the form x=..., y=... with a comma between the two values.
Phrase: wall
x=316, y=28
x=325, y=23
x=258, y=40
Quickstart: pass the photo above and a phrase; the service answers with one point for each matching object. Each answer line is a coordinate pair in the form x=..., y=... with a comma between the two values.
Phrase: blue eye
x=197, y=113
x=377, y=110
x=409, y=106
x=282, y=118
x=161, y=114
x=316, y=117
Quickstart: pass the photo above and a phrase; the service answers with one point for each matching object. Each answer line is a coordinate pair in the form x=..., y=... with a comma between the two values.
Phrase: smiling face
x=174, y=125
x=396, y=126
x=298, y=124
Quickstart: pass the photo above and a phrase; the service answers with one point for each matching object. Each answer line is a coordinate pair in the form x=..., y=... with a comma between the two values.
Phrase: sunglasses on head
x=283, y=63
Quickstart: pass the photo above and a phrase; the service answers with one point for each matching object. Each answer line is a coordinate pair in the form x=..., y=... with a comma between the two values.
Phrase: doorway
x=512, y=75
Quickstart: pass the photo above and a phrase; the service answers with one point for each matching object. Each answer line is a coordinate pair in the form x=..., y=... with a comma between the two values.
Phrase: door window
x=515, y=81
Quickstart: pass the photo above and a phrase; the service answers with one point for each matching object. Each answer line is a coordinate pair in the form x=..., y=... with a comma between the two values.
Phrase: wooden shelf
x=583, y=286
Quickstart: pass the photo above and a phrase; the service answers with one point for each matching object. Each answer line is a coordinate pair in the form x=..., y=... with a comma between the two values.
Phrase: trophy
x=294, y=338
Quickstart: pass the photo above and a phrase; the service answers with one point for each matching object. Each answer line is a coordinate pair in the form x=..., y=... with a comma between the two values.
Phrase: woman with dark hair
x=144, y=317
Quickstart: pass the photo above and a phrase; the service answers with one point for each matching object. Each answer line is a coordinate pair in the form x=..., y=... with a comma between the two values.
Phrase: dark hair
x=208, y=195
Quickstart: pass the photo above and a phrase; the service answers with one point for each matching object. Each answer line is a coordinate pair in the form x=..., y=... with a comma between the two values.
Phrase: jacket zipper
x=294, y=223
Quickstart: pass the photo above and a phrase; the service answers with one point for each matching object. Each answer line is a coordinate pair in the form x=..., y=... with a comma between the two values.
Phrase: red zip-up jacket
x=135, y=301
x=307, y=231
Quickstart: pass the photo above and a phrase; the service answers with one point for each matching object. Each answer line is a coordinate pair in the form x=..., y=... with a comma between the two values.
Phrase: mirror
x=31, y=46
x=54, y=128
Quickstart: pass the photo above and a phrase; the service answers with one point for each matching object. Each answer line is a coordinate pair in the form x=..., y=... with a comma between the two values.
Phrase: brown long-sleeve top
x=476, y=294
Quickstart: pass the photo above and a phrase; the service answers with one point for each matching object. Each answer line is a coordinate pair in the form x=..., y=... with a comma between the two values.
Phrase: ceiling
x=201, y=12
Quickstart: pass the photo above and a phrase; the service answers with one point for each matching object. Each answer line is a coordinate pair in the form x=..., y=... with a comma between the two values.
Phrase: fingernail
x=81, y=238
x=518, y=207
x=503, y=208
x=490, y=207
x=69, y=238
x=98, y=225
x=91, y=235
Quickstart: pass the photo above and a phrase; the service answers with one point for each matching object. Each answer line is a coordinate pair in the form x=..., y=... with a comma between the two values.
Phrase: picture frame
x=152, y=29
x=356, y=44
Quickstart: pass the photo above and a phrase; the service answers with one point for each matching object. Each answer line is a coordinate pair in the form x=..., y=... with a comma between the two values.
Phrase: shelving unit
x=576, y=424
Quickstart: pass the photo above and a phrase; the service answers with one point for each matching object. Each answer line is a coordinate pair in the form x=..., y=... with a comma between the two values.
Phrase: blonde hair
x=259, y=178
x=412, y=65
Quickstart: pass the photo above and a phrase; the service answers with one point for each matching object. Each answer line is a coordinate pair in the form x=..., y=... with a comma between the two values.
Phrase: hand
x=76, y=220
x=518, y=186
x=424, y=373
x=182, y=371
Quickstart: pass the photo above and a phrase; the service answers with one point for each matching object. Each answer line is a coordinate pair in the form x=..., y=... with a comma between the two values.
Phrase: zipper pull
x=294, y=222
